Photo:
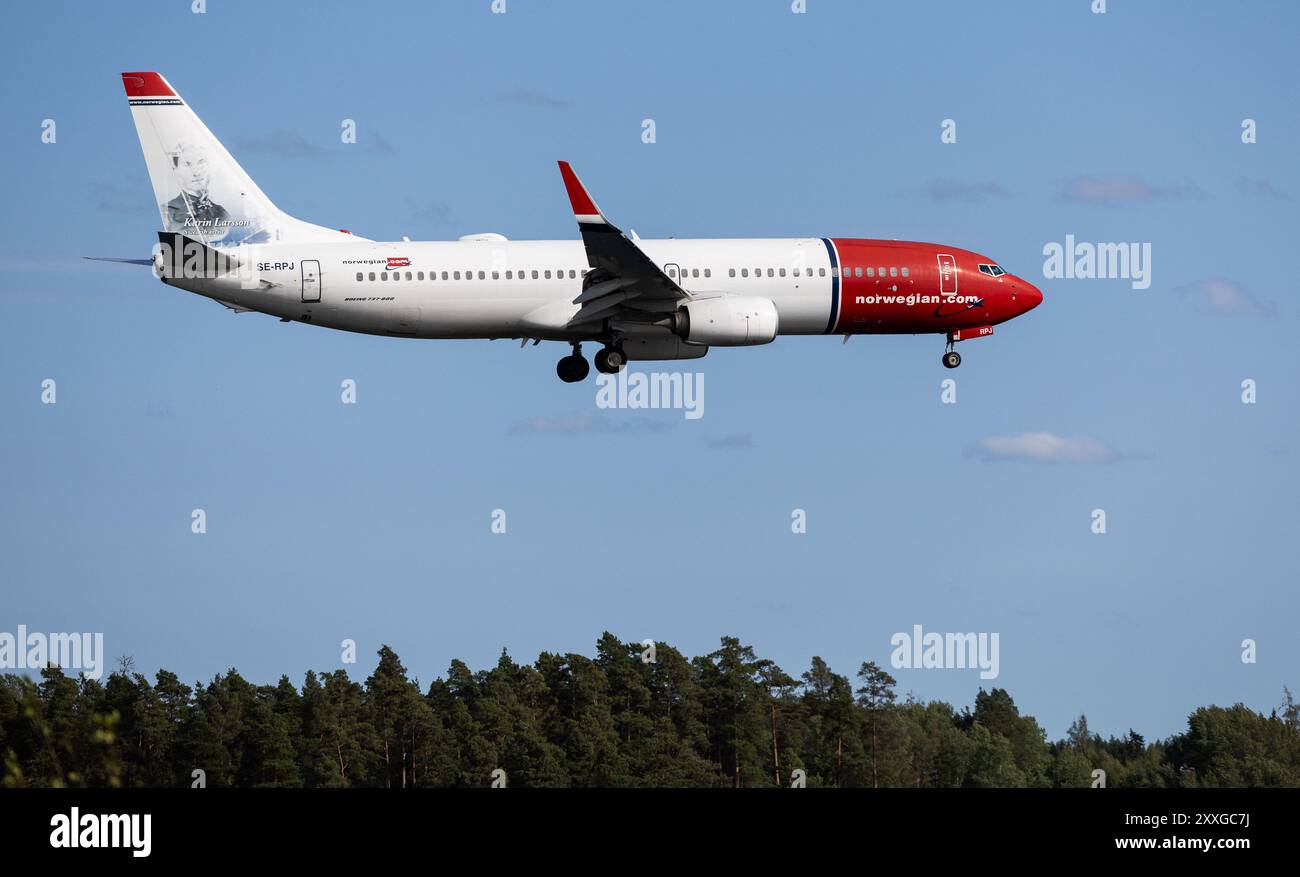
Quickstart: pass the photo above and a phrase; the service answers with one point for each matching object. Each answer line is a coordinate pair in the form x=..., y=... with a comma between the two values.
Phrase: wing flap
x=600, y=307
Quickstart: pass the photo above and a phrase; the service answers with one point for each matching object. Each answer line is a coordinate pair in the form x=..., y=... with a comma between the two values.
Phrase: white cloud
x=1261, y=189
x=1227, y=297
x=585, y=423
x=1043, y=447
x=944, y=191
x=1114, y=191
x=733, y=441
x=532, y=97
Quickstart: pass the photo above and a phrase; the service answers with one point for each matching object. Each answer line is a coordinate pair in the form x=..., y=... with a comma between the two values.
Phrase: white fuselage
x=501, y=288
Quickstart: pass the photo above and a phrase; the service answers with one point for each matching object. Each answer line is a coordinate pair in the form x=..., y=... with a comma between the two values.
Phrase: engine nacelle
x=660, y=348
x=726, y=321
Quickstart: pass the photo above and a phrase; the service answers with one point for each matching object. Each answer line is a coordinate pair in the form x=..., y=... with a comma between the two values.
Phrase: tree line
x=728, y=719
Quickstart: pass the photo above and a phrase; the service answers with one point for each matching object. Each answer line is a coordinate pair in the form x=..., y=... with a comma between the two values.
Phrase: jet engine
x=725, y=321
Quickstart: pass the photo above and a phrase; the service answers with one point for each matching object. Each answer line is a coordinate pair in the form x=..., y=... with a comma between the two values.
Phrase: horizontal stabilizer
x=123, y=261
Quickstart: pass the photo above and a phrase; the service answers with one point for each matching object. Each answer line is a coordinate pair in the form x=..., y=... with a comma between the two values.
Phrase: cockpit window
x=992, y=270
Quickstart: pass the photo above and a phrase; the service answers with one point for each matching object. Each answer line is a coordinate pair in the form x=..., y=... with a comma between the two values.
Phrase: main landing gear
x=573, y=368
x=951, y=358
x=610, y=360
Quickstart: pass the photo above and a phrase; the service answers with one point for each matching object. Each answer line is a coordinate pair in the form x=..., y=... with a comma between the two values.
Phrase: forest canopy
x=723, y=720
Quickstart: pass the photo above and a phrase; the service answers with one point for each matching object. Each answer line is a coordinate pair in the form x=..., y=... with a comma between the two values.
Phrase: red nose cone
x=1028, y=296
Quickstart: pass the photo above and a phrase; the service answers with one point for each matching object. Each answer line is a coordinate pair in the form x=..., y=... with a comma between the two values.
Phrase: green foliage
x=729, y=719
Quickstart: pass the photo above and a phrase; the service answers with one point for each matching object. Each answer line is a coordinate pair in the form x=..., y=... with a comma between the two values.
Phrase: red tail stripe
x=146, y=85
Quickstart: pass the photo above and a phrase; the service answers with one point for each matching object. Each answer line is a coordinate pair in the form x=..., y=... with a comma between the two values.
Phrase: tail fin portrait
x=201, y=191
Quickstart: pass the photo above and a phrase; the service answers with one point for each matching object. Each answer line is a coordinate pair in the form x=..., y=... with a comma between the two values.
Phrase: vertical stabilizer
x=201, y=191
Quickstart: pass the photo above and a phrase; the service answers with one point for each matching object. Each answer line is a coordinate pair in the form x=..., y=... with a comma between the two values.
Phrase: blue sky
x=371, y=521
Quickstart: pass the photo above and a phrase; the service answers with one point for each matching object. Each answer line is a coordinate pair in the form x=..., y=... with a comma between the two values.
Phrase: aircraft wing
x=622, y=276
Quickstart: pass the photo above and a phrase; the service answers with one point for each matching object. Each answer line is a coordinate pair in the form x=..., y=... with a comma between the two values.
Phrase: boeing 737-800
x=639, y=299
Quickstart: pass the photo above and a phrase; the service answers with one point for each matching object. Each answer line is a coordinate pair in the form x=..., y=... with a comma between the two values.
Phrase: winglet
x=584, y=207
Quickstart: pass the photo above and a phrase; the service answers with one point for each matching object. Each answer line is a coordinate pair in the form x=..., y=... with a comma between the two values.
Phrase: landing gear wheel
x=610, y=360
x=572, y=368
x=951, y=359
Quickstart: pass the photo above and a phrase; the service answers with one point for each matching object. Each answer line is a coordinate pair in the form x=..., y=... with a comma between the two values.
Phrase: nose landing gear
x=951, y=358
x=573, y=368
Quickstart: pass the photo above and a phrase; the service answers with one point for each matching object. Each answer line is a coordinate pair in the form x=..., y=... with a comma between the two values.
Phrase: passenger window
x=821, y=272
x=905, y=274
x=857, y=272
x=360, y=276
x=372, y=275
x=458, y=275
x=871, y=272
x=893, y=272
x=731, y=272
x=572, y=274
x=534, y=273
x=770, y=273
x=419, y=276
x=397, y=275
x=383, y=276
x=482, y=275
x=708, y=272
x=548, y=274
x=782, y=272
x=744, y=272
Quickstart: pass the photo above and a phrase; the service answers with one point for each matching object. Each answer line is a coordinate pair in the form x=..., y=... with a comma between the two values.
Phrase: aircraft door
x=310, y=280
x=947, y=274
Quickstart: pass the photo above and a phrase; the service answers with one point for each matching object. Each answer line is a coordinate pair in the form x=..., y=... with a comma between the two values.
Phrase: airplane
x=640, y=300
